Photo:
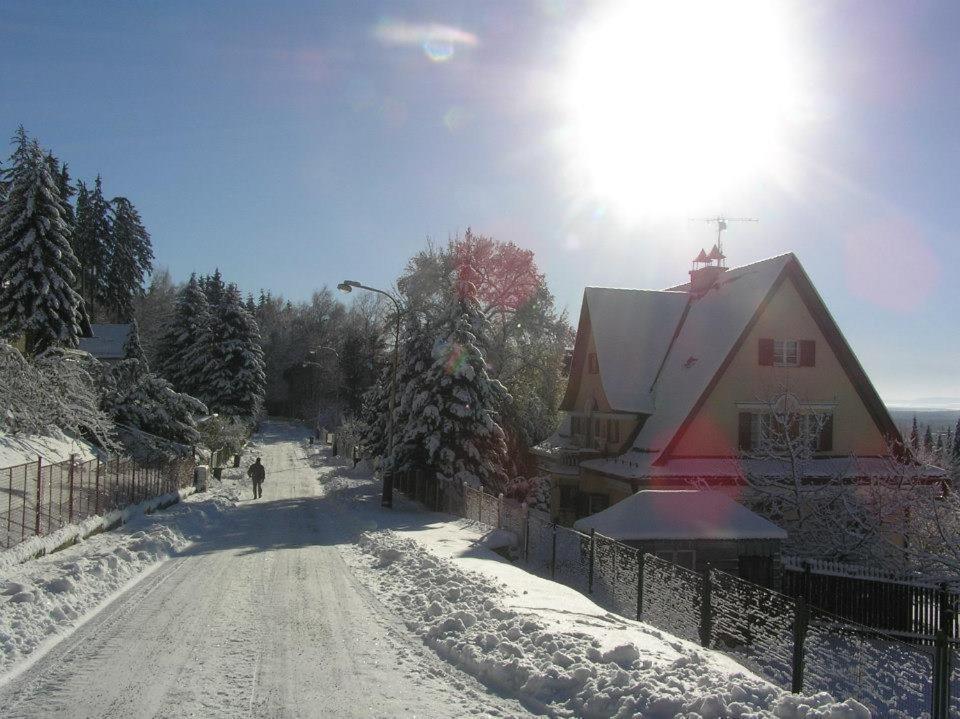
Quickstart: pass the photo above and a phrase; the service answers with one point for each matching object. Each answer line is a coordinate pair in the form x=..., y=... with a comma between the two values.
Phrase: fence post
x=553, y=553
x=940, y=702
x=500, y=511
x=593, y=545
x=801, y=616
x=526, y=532
x=36, y=529
x=436, y=485
x=73, y=458
x=640, y=557
x=706, y=617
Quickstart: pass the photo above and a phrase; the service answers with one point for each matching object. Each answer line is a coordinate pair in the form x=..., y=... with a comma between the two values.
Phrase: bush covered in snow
x=57, y=390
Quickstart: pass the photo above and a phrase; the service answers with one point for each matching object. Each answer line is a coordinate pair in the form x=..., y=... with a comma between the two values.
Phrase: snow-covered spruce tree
x=132, y=348
x=131, y=259
x=373, y=417
x=37, y=265
x=184, y=352
x=235, y=379
x=214, y=288
x=462, y=437
x=409, y=451
x=61, y=176
x=154, y=422
x=92, y=243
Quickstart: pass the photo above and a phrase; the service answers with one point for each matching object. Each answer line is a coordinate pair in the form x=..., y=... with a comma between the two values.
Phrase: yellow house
x=670, y=387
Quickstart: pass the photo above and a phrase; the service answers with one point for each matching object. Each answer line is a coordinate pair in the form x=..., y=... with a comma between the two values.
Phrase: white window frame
x=786, y=353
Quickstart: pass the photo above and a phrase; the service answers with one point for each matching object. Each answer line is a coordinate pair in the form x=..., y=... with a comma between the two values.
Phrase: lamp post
x=348, y=286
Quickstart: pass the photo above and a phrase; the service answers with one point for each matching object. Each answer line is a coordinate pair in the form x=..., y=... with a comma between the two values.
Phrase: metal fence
x=792, y=643
x=38, y=498
x=904, y=607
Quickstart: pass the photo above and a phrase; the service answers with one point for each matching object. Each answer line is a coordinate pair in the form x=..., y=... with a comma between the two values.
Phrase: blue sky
x=294, y=144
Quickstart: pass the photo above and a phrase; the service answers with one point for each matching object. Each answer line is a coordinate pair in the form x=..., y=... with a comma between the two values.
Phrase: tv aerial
x=722, y=225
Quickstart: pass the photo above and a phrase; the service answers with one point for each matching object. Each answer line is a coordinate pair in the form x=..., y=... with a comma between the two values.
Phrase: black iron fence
x=901, y=606
x=789, y=640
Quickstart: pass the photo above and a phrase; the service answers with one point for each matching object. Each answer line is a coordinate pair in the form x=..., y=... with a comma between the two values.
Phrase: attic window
x=592, y=365
x=787, y=353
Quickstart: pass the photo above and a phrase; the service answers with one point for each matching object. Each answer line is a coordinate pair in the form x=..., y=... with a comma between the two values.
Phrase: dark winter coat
x=256, y=472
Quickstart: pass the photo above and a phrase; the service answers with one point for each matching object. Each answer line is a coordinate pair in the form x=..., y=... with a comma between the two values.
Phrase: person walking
x=257, y=473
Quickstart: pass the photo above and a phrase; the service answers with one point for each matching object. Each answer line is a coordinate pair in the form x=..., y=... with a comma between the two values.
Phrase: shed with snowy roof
x=107, y=341
x=694, y=528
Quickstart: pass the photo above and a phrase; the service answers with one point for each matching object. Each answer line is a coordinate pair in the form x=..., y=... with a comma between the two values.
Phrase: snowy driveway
x=260, y=617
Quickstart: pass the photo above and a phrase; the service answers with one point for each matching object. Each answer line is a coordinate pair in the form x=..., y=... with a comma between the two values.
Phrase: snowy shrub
x=55, y=390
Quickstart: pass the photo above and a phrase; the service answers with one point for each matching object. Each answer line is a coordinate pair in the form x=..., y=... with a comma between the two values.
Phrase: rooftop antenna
x=722, y=225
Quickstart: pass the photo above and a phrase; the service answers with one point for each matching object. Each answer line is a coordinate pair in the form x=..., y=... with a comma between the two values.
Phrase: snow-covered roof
x=639, y=465
x=679, y=514
x=107, y=341
x=631, y=330
x=56, y=447
x=712, y=325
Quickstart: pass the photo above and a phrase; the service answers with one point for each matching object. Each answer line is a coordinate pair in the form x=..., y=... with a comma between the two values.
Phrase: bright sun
x=678, y=105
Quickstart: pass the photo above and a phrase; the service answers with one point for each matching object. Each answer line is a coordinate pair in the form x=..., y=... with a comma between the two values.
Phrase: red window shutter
x=825, y=443
x=745, y=440
x=766, y=352
x=808, y=353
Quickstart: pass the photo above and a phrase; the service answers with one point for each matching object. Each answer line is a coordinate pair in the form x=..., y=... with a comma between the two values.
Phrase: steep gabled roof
x=631, y=330
x=712, y=327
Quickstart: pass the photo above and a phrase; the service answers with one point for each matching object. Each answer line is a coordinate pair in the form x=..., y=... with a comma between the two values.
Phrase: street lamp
x=347, y=286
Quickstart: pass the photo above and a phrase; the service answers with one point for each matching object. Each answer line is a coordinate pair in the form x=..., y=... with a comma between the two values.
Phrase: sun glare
x=678, y=105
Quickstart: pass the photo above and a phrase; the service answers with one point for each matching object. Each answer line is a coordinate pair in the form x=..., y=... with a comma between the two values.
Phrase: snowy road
x=261, y=617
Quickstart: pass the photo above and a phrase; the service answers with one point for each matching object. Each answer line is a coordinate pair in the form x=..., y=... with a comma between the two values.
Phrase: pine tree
x=130, y=258
x=928, y=440
x=37, y=265
x=409, y=450
x=235, y=381
x=214, y=288
x=184, y=351
x=132, y=348
x=373, y=416
x=92, y=243
x=462, y=437
x=955, y=450
x=914, y=435
x=61, y=175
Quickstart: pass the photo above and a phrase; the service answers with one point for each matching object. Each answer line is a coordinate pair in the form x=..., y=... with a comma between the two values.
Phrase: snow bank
x=570, y=657
x=20, y=449
x=73, y=533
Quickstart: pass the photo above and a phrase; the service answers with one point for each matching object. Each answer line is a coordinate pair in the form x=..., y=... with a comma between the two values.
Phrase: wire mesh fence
x=672, y=597
x=782, y=638
x=41, y=498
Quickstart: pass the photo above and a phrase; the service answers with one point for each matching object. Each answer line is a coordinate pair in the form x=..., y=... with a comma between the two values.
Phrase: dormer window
x=592, y=365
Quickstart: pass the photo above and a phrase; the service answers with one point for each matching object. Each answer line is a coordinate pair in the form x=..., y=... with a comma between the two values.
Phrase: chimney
x=705, y=273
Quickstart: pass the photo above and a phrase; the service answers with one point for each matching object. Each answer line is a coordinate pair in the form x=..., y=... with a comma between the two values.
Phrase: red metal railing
x=43, y=497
